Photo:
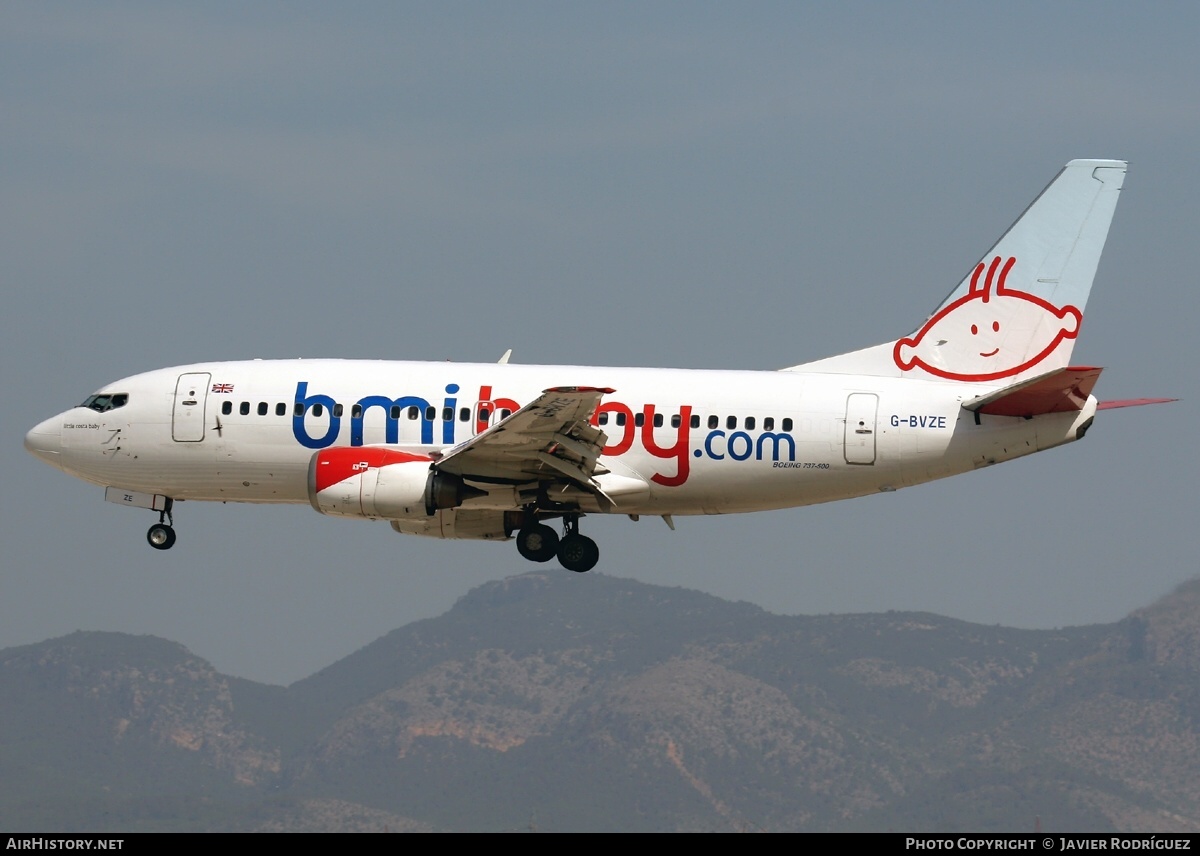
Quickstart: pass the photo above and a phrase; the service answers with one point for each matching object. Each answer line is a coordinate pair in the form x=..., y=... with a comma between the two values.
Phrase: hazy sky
x=680, y=184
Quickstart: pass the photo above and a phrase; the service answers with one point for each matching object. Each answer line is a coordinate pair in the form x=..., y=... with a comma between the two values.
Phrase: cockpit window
x=105, y=402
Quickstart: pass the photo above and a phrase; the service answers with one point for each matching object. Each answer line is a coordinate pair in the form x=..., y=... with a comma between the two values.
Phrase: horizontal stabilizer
x=1060, y=391
x=1132, y=402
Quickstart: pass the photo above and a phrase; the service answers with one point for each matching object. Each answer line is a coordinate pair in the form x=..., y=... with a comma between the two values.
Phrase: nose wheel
x=161, y=536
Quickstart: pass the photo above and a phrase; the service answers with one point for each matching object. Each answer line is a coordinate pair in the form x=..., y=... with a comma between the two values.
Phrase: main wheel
x=161, y=536
x=578, y=553
x=537, y=542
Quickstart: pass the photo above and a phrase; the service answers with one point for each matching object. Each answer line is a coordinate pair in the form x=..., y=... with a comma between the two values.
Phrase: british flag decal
x=222, y=387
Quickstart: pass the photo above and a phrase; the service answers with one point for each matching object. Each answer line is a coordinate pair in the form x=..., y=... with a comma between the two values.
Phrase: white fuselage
x=728, y=441
x=486, y=451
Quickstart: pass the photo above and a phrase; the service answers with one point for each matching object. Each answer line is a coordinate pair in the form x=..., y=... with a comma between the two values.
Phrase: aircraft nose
x=44, y=441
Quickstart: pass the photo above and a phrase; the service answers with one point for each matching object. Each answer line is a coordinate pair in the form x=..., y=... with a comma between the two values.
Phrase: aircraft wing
x=549, y=439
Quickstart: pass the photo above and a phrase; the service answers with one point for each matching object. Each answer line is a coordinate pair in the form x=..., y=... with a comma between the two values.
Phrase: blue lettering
x=708, y=445
x=451, y=406
x=390, y=405
x=895, y=421
x=739, y=435
x=775, y=440
x=739, y=446
x=306, y=402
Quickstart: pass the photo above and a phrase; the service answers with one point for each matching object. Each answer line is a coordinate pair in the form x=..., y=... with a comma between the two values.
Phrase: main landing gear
x=162, y=534
x=537, y=542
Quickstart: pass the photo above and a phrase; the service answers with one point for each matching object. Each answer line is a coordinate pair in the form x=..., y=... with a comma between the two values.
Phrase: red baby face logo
x=989, y=333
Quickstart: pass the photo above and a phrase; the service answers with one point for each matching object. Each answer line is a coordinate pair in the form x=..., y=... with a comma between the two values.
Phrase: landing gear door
x=861, y=408
x=187, y=418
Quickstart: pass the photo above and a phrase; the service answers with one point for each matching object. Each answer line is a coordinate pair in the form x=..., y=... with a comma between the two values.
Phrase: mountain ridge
x=602, y=703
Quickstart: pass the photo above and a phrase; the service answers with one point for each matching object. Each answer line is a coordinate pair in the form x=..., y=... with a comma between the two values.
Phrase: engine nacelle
x=482, y=525
x=378, y=482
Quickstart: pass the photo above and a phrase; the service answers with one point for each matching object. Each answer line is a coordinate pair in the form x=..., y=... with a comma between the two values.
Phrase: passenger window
x=337, y=411
x=676, y=420
x=464, y=414
x=731, y=422
x=749, y=423
x=695, y=420
x=356, y=411
x=262, y=408
x=244, y=408
x=658, y=420
x=280, y=409
x=226, y=407
x=504, y=414
x=317, y=409
x=394, y=412
x=620, y=419
x=787, y=424
x=447, y=414
x=714, y=421
x=602, y=419
x=639, y=419
x=298, y=409
x=430, y=413
x=768, y=423
x=484, y=414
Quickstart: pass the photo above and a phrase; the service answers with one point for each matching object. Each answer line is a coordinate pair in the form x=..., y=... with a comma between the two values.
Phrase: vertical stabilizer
x=1018, y=312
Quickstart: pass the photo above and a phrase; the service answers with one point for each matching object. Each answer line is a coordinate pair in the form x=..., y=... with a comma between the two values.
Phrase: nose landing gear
x=537, y=542
x=161, y=536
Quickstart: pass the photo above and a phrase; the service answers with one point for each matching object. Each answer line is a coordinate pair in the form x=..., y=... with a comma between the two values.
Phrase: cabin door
x=187, y=419
x=861, y=408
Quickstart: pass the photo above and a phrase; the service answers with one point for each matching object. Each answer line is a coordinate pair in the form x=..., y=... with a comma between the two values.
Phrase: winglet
x=504, y=359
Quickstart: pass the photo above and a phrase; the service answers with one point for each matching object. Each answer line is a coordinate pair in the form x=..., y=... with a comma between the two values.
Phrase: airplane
x=496, y=450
